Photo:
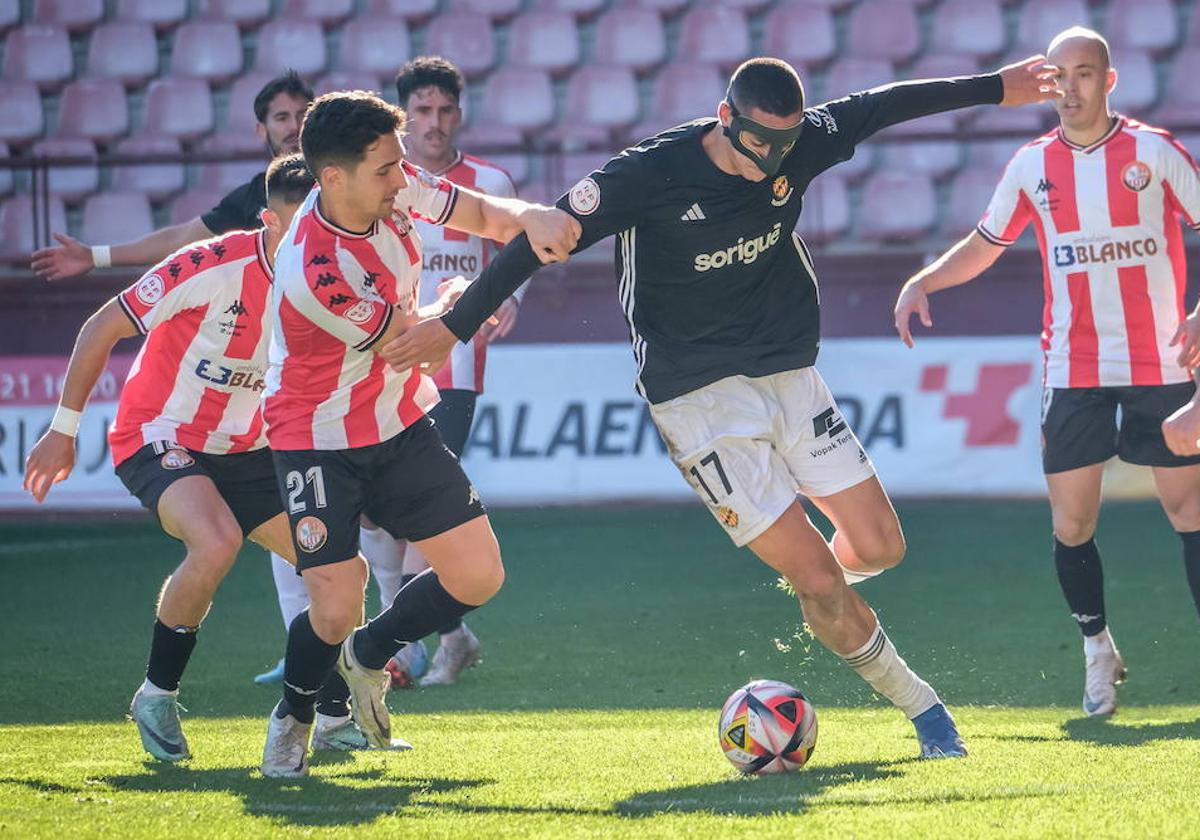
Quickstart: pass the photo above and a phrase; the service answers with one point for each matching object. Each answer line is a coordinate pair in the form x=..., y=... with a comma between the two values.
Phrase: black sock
x=306, y=668
x=450, y=628
x=333, y=699
x=420, y=608
x=1082, y=580
x=170, y=650
x=1191, y=563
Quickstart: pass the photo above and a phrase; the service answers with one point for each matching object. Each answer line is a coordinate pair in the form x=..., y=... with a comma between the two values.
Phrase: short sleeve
x=1182, y=181
x=1008, y=212
x=333, y=305
x=426, y=196
x=169, y=288
x=610, y=199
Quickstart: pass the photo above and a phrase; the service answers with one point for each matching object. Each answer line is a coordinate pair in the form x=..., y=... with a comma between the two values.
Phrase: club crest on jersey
x=360, y=312
x=400, y=219
x=177, y=459
x=311, y=534
x=427, y=178
x=728, y=516
x=151, y=289
x=1136, y=176
x=584, y=197
x=782, y=191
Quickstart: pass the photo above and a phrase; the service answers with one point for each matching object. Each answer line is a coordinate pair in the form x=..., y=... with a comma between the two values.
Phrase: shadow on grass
x=1111, y=732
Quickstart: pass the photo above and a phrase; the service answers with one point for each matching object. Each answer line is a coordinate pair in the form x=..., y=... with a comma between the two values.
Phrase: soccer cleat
x=938, y=735
x=368, y=688
x=407, y=666
x=338, y=733
x=271, y=677
x=157, y=719
x=1105, y=671
x=285, y=755
x=456, y=652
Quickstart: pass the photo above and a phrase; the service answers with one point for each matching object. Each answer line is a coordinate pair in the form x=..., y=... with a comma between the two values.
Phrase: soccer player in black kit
x=723, y=311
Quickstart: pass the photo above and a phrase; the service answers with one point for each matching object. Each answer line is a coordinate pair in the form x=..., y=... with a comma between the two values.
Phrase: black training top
x=713, y=280
x=239, y=210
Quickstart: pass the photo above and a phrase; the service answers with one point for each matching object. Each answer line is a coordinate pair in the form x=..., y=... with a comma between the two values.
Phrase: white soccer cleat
x=285, y=755
x=456, y=652
x=1105, y=671
x=157, y=719
x=368, y=690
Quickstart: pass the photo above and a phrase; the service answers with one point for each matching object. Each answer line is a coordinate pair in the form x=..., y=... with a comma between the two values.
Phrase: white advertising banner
x=562, y=424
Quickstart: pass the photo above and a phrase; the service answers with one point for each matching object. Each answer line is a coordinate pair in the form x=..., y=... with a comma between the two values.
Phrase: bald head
x=1079, y=42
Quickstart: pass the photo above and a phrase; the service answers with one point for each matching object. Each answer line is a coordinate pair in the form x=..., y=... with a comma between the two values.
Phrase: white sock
x=150, y=689
x=880, y=665
x=852, y=576
x=289, y=586
x=385, y=555
x=1099, y=643
x=331, y=721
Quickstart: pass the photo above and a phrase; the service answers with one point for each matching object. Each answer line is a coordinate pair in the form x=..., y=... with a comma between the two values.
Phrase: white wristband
x=102, y=256
x=66, y=421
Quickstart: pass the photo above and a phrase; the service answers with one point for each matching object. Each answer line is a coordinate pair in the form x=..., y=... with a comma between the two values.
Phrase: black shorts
x=245, y=480
x=410, y=485
x=453, y=417
x=1080, y=426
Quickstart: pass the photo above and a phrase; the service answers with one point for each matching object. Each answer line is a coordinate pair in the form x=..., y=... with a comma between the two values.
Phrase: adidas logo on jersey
x=694, y=214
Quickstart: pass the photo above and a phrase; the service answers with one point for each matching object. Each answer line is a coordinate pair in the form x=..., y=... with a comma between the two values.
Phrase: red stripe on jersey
x=408, y=409
x=1145, y=366
x=360, y=423
x=1060, y=171
x=194, y=433
x=1020, y=218
x=1122, y=201
x=1084, y=346
x=295, y=431
x=410, y=247
x=1047, y=287
x=253, y=299
x=464, y=176
x=1175, y=249
x=324, y=276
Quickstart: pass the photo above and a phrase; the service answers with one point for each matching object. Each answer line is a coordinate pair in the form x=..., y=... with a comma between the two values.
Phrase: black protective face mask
x=780, y=140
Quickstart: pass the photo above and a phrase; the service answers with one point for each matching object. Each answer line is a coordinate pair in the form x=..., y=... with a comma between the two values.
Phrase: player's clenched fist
x=552, y=233
x=50, y=462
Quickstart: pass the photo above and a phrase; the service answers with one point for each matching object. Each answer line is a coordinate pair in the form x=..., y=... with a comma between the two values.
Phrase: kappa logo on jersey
x=236, y=308
x=1136, y=176
x=744, y=251
x=782, y=191
x=311, y=534
x=177, y=459
x=584, y=197
x=1093, y=253
x=360, y=312
x=151, y=289
x=1047, y=200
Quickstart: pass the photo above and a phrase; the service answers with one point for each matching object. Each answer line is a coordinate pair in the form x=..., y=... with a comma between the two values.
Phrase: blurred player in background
x=279, y=109
x=721, y=300
x=1104, y=194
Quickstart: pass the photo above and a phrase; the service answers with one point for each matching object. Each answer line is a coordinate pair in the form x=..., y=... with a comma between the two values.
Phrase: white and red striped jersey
x=1107, y=219
x=199, y=377
x=447, y=253
x=333, y=298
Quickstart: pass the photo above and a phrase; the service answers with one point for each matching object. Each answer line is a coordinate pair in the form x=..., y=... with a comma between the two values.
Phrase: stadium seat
x=39, y=53
x=10, y=14
x=93, y=108
x=328, y=13
x=546, y=40
x=193, y=203
x=935, y=158
x=666, y=8
x=970, y=192
x=21, y=105
x=290, y=45
x=682, y=92
x=482, y=134
x=76, y=16
x=973, y=27
x=17, y=225
x=161, y=14
x=716, y=34
x=633, y=38
x=600, y=100
x=123, y=50
x=883, y=29
x=179, y=108
x=69, y=182
x=464, y=38
x=225, y=175
x=156, y=180
x=1030, y=120
x=1137, y=87
x=850, y=75
x=492, y=9
x=240, y=119
x=897, y=206
x=413, y=11
x=578, y=9
x=1181, y=95
x=516, y=165
x=247, y=14
x=800, y=33
x=1037, y=23
x=6, y=175
x=992, y=155
x=116, y=217
x=207, y=49
x=349, y=80
x=374, y=44
x=572, y=166
x=1143, y=24
x=826, y=214
x=519, y=97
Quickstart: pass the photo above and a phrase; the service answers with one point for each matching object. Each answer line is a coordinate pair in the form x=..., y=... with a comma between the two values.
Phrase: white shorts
x=749, y=445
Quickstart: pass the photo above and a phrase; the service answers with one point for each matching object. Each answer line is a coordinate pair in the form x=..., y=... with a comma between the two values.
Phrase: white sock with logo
x=880, y=665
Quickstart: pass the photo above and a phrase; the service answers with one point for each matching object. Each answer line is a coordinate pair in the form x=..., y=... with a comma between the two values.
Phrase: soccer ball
x=768, y=727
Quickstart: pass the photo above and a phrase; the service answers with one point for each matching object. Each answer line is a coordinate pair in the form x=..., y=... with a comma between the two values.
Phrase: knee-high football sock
x=881, y=666
x=1191, y=563
x=170, y=650
x=333, y=700
x=1082, y=580
x=309, y=662
x=421, y=607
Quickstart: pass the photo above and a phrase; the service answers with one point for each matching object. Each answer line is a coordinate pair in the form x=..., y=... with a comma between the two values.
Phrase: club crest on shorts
x=311, y=534
x=177, y=459
x=728, y=516
x=1136, y=176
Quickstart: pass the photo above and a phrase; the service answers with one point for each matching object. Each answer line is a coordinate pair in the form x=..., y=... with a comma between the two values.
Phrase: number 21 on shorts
x=297, y=481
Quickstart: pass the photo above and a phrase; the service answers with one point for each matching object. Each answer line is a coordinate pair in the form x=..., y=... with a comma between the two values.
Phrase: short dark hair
x=288, y=179
x=768, y=84
x=340, y=126
x=290, y=83
x=425, y=71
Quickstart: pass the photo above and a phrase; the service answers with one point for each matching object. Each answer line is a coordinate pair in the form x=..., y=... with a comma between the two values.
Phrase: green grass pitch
x=607, y=656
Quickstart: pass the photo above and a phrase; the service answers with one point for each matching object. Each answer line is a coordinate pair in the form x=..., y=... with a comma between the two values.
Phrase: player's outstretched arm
x=552, y=233
x=966, y=260
x=53, y=457
x=72, y=258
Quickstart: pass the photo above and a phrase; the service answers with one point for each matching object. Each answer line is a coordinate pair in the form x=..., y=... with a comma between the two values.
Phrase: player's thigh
x=1179, y=492
x=1079, y=428
x=1075, y=502
x=276, y=535
x=452, y=417
x=792, y=546
x=193, y=511
x=1143, y=410
x=248, y=484
x=467, y=560
x=864, y=516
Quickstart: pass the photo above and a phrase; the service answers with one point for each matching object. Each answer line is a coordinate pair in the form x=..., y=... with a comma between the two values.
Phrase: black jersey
x=714, y=281
x=240, y=208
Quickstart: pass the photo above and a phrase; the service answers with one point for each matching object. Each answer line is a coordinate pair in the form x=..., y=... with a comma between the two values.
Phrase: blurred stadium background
x=124, y=115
